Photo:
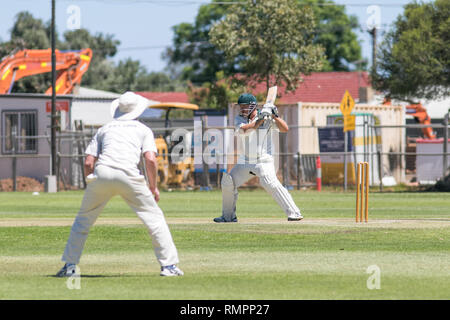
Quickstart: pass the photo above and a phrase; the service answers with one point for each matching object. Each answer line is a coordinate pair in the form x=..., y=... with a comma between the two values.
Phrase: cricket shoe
x=297, y=216
x=171, y=271
x=68, y=270
x=222, y=219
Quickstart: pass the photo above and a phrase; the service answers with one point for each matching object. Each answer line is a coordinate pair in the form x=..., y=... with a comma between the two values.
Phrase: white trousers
x=135, y=192
x=241, y=173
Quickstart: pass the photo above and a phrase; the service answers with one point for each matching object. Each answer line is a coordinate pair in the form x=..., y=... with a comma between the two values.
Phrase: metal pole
x=14, y=160
x=345, y=159
x=379, y=170
x=217, y=173
x=284, y=166
x=373, y=33
x=298, y=170
x=205, y=165
x=53, y=113
x=445, y=144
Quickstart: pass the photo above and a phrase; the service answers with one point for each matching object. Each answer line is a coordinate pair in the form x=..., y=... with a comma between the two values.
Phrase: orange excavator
x=420, y=116
x=71, y=66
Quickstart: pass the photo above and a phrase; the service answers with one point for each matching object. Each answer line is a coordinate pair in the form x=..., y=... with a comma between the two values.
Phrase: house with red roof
x=165, y=96
x=316, y=87
x=325, y=87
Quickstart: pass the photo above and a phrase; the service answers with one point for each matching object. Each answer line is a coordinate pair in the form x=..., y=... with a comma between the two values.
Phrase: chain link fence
x=412, y=160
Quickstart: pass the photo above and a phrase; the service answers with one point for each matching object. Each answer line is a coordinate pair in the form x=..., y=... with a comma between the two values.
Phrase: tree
x=215, y=95
x=334, y=32
x=101, y=70
x=31, y=33
x=413, y=61
x=159, y=81
x=200, y=60
x=272, y=41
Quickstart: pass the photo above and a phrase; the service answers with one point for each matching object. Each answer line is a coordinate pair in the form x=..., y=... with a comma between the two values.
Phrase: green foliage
x=216, y=95
x=192, y=51
x=271, y=40
x=31, y=33
x=334, y=32
x=200, y=60
x=413, y=61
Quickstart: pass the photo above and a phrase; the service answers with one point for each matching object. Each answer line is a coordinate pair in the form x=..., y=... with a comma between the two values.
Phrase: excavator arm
x=72, y=65
x=421, y=116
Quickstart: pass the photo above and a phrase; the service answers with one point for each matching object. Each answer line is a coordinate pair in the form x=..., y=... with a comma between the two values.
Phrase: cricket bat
x=271, y=94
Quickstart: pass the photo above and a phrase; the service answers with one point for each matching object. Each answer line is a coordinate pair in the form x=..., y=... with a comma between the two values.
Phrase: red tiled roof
x=317, y=87
x=165, y=96
x=322, y=87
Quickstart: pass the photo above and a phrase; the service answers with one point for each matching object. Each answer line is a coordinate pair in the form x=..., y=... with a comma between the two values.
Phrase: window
x=19, y=129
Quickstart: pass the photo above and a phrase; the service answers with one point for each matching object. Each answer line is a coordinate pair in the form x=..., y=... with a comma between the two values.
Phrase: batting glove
x=266, y=110
x=275, y=111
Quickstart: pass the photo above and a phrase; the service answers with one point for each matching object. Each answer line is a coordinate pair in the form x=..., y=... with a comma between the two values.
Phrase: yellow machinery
x=171, y=173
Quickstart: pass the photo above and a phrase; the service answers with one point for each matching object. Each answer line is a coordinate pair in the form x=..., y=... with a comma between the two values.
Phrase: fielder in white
x=111, y=167
x=254, y=127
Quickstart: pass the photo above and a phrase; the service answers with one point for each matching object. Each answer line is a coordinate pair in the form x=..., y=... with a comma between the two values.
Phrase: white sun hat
x=128, y=106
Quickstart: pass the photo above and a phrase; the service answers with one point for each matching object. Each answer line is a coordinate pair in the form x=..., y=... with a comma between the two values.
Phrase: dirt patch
x=343, y=223
x=22, y=184
x=27, y=184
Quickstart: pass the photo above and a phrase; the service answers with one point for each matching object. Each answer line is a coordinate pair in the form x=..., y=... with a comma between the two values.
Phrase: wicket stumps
x=362, y=192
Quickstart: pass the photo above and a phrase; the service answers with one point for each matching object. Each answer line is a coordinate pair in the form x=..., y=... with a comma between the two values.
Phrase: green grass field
x=263, y=256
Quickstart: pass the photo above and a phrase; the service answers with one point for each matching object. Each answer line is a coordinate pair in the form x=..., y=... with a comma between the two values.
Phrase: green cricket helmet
x=247, y=103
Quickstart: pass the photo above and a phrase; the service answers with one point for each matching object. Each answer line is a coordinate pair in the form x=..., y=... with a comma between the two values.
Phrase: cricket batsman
x=253, y=127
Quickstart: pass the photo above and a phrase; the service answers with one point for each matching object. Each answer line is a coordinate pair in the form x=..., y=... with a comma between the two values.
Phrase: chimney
x=365, y=94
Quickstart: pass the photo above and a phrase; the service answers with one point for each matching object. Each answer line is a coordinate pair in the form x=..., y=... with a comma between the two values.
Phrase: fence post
x=379, y=170
x=298, y=170
x=284, y=165
x=445, y=143
x=217, y=173
x=319, y=174
x=205, y=165
x=80, y=135
x=14, y=161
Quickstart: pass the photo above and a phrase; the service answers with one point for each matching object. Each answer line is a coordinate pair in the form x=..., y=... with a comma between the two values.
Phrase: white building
x=25, y=130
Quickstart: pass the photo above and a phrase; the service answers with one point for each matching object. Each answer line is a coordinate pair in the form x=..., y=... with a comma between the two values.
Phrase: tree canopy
x=103, y=74
x=199, y=60
x=192, y=51
x=413, y=61
x=272, y=41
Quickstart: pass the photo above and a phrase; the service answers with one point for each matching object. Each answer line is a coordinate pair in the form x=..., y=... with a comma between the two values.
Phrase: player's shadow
x=92, y=276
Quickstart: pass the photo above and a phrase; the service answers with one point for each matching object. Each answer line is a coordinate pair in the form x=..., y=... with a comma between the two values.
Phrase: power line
x=187, y=2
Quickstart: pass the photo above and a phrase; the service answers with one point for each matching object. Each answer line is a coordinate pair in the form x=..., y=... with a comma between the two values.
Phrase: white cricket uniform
x=255, y=158
x=118, y=146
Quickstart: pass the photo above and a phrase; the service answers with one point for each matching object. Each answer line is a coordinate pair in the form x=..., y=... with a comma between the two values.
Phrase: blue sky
x=144, y=27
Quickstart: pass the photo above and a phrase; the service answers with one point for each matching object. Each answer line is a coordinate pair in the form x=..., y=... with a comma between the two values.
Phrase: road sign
x=347, y=103
x=349, y=122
